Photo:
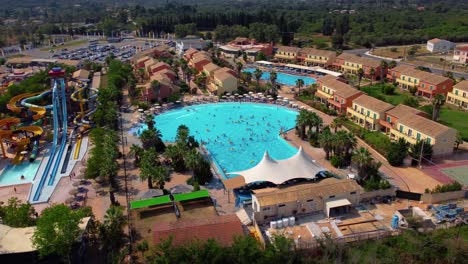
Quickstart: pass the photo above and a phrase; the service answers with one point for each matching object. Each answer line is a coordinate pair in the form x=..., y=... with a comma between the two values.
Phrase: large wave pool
x=235, y=134
x=283, y=78
x=12, y=173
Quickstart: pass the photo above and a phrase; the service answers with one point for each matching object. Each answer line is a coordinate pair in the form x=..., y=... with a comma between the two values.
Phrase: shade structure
x=150, y=194
x=280, y=171
x=181, y=188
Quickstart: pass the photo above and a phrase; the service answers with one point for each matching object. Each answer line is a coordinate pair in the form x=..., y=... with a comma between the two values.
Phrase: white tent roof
x=280, y=171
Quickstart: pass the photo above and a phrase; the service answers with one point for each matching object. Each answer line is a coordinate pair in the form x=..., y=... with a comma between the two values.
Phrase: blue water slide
x=55, y=105
x=25, y=103
x=64, y=135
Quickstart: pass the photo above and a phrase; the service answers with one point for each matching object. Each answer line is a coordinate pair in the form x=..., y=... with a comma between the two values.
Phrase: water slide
x=83, y=117
x=55, y=105
x=13, y=104
x=21, y=143
x=64, y=133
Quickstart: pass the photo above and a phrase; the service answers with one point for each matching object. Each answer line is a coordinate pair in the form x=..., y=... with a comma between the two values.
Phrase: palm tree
x=383, y=67
x=111, y=232
x=299, y=85
x=437, y=102
x=362, y=158
x=337, y=123
x=302, y=122
x=247, y=77
x=392, y=64
x=156, y=88
x=160, y=175
x=273, y=76
x=239, y=68
x=360, y=73
x=193, y=161
x=315, y=121
x=151, y=138
x=258, y=74
x=326, y=142
x=372, y=73
x=149, y=122
x=176, y=154
x=149, y=162
x=114, y=217
x=136, y=152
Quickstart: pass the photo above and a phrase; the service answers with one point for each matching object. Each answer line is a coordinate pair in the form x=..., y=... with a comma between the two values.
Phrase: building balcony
x=350, y=68
x=285, y=57
x=323, y=94
x=357, y=114
x=405, y=82
x=398, y=134
x=335, y=103
x=457, y=97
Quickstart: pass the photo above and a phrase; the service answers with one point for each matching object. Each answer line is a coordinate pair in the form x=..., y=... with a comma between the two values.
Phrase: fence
x=377, y=193
x=408, y=195
x=430, y=198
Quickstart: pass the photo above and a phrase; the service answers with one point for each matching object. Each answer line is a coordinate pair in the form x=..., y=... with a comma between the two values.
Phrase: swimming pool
x=235, y=134
x=12, y=173
x=283, y=78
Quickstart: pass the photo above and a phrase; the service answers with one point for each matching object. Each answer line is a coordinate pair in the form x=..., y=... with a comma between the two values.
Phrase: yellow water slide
x=13, y=105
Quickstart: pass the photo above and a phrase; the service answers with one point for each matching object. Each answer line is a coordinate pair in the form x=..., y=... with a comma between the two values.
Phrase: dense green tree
x=57, y=231
x=437, y=102
x=17, y=214
x=419, y=147
x=397, y=152
x=111, y=233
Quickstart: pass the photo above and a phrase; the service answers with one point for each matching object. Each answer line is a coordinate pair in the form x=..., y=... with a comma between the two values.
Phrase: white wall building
x=439, y=45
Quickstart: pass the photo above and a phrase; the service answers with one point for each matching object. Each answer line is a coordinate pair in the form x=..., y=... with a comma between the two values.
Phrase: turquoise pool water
x=283, y=78
x=12, y=173
x=235, y=134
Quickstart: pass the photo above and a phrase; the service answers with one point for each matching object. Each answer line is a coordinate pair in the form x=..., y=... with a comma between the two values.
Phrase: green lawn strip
x=375, y=90
x=456, y=119
x=377, y=140
x=165, y=199
x=66, y=45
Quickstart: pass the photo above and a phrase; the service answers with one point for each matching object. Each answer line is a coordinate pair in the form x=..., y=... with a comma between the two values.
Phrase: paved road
x=362, y=52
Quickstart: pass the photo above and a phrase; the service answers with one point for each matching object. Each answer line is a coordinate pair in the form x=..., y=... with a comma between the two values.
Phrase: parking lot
x=96, y=51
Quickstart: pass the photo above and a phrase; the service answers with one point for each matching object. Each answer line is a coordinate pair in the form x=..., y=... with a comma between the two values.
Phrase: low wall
x=430, y=198
x=372, y=194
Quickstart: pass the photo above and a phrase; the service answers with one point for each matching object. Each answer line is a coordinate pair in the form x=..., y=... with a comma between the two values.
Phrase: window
x=310, y=200
x=331, y=196
x=409, y=79
x=456, y=92
x=410, y=132
x=464, y=94
x=352, y=193
x=342, y=101
x=422, y=85
x=389, y=119
x=428, y=141
x=375, y=116
x=403, y=78
x=401, y=128
x=431, y=88
x=266, y=209
x=415, y=81
x=281, y=205
x=368, y=113
x=355, y=107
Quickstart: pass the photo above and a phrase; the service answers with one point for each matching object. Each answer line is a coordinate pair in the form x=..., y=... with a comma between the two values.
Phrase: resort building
x=335, y=93
x=439, y=45
x=350, y=63
x=239, y=45
x=148, y=65
x=367, y=111
x=460, y=54
x=428, y=84
x=199, y=60
x=140, y=63
x=223, y=81
x=410, y=124
x=158, y=67
x=82, y=75
x=313, y=57
x=287, y=53
x=210, y=68
x=164, y=89
x=189, y=54
x=330, y=196
x=459, y=95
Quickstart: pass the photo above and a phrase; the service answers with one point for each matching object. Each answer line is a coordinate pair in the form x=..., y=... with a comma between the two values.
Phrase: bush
x=388, y=89
x=336, y=161
x=397, y=152
x=450, y=187
x=411, y=101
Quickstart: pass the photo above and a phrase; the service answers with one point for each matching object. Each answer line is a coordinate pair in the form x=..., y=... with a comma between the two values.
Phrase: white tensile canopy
x=280, y=171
